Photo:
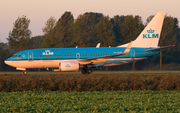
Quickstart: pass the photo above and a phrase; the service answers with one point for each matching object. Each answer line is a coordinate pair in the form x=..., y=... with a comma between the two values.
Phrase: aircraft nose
x=7, y=61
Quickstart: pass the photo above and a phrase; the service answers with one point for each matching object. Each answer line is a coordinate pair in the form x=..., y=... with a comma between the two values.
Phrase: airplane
x=85, y=59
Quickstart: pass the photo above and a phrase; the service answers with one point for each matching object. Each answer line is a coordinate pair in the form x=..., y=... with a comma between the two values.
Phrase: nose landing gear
x=24, y=72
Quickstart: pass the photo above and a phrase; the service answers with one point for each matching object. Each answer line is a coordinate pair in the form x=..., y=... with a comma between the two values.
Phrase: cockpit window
x=16, y=56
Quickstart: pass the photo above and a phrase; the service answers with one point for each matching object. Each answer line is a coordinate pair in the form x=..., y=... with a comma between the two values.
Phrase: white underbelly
x=34, y=64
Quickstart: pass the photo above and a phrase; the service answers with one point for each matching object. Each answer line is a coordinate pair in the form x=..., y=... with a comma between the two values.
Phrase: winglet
x=126, y=51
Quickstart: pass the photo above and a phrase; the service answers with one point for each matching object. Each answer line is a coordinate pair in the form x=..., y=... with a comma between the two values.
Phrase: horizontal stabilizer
x=155, y=49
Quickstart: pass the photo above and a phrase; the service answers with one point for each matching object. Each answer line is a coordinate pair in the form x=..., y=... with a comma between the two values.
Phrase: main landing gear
x=86, y=71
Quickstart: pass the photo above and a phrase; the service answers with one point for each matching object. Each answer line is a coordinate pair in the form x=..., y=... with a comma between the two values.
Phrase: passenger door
x=132, y=54
x=78, y=55
x=30, y=55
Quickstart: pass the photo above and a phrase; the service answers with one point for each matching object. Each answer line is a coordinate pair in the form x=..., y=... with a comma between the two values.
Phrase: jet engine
x=69, y=66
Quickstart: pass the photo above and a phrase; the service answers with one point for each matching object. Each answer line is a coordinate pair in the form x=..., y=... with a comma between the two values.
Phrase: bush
x=9, y=83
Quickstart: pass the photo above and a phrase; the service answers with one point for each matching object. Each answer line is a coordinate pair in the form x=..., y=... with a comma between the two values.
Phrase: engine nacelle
x=68, y=66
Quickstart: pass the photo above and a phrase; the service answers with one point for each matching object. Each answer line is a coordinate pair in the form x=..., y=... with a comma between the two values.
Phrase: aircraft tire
x=24, y=72
x=88, y=71
x=83, y=71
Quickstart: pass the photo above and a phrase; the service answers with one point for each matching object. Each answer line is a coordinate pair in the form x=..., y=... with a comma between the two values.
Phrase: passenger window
x=16, y=55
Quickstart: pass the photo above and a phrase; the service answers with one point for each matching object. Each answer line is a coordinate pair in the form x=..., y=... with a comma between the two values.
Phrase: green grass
x=98, y=72
x=97, y=101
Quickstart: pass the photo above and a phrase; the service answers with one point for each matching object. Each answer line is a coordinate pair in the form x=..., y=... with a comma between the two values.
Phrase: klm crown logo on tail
x=150, y=34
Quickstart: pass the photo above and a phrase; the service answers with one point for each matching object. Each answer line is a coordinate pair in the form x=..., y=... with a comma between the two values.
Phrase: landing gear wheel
x=88, y=71
x=83, y=71
x=24, y=72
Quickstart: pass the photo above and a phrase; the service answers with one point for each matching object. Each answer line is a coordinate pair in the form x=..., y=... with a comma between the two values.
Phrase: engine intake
x=69, y=66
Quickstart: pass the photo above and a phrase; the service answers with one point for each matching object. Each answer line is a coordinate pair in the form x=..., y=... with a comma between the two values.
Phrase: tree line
x=86, y=31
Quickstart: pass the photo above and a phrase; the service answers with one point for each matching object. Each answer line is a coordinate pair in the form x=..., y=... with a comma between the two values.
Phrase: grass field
x=96, y=101
x=97, y=72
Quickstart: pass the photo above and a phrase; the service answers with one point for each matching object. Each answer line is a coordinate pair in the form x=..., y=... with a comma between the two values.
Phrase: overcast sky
x=39, y=11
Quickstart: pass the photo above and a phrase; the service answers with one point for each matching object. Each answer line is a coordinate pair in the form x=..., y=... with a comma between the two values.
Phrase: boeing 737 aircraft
x=85, y=59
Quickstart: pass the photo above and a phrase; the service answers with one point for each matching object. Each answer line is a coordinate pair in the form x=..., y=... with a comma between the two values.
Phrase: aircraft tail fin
x=149, y=37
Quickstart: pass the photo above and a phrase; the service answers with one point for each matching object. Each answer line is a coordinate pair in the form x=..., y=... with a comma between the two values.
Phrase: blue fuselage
x=79, y=53
x=88, y=57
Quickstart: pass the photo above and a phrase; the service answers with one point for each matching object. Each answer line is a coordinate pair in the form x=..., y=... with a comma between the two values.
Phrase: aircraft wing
x=155, y=49
x=126, y=51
